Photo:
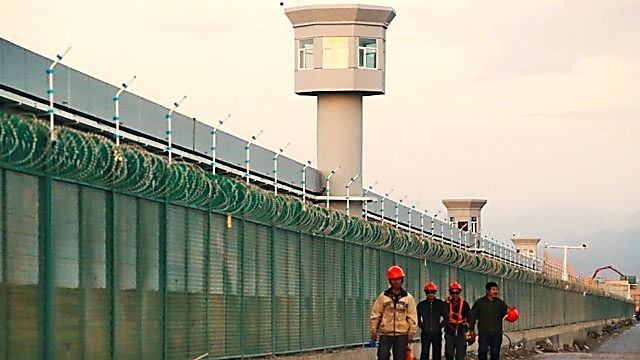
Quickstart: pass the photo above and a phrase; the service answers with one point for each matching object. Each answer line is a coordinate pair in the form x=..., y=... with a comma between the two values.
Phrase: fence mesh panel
x=139, y=258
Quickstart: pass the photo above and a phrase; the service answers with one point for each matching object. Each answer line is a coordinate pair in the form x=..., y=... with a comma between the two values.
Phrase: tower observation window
x=335, y=52
x=305, y=54
x=367, y=54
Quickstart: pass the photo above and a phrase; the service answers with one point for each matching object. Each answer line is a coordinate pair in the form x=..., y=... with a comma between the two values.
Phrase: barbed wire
x=25, y=143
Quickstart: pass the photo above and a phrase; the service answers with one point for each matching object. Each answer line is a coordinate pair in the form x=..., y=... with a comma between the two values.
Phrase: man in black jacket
x=489, y=311
x=457, y=324
x=432, y=316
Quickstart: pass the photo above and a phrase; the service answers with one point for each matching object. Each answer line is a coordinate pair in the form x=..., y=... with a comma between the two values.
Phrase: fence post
x=241, y=287
x=324, y=287
x=362, y=298
x=47, y=271
x=185, y=267
x=162, y=246
x=273, y=291
x=207, y=274
x=141, y=276
x=300, y=294
x=344, y=289
x=3, y=260
x=110, y=257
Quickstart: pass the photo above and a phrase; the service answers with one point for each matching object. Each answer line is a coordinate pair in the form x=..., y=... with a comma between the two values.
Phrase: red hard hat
x=512, y=315
x=430, y=287
x=395, y=272
x=455, y=286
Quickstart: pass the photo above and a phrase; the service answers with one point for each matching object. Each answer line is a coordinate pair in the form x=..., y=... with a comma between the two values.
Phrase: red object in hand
x=410, y=354
x=512, y=315
x=470, y=337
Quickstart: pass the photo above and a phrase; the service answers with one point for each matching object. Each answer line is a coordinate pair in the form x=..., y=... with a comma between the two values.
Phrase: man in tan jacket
x=394, y=318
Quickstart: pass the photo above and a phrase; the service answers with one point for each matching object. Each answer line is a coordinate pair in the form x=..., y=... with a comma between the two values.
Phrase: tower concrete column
x=339, y=141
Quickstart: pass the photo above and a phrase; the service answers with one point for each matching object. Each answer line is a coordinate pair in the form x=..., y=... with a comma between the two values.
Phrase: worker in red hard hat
x=393, y=318
x=455, y=333
x=489, y=311
x=432, y=316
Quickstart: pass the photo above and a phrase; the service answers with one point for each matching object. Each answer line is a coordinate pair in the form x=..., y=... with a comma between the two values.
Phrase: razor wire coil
x=25, y=142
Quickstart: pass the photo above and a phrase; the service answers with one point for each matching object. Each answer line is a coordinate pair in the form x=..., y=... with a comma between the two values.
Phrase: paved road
x=622, y=347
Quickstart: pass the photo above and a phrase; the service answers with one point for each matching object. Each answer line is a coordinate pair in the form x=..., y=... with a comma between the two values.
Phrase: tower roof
x=464, y=203
x=525, y=240
x=340, y=14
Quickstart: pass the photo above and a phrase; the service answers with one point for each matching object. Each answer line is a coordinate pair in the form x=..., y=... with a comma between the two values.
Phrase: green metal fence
x=117, y=265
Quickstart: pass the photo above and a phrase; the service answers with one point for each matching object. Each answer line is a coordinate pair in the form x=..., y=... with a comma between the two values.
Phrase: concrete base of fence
x=559, y=335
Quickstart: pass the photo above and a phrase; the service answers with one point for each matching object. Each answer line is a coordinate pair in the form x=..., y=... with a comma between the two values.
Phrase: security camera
x=584, y=245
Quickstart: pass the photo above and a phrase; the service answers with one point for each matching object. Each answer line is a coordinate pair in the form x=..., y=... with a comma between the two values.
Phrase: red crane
x=610, y=267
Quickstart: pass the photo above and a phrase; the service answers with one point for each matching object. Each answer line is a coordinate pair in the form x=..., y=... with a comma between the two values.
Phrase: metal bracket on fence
x=205, y=355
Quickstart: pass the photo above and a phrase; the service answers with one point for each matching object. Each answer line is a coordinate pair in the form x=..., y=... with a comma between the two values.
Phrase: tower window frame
x=367, y=53
x=305, y=54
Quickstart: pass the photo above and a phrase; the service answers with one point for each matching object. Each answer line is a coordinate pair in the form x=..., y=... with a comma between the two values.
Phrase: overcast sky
x=533, y=105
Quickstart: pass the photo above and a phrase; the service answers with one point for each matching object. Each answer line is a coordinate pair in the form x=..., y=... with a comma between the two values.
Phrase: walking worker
x=489, y=311
x=455, y=333
x=394, y=318
x=432, y=316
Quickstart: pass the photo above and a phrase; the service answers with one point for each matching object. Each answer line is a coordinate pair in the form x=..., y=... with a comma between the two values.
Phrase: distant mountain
x=620, y=248
x=612, y=238
x=557, y=223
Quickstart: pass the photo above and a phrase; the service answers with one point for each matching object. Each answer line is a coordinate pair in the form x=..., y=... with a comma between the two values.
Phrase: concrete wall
x=559, y=335
x=22, y=72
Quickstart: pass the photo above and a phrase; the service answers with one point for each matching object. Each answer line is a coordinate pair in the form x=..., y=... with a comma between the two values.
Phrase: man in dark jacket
x=489, y=311
x=457, y=324
x=432, y=317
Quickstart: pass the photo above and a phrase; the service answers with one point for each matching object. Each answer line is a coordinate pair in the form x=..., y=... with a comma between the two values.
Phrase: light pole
x=50, y=89
x=442, y=229
x=304, y=182
x=565, y=276
x=397, y=210
x=451, y=233
x=116, y=101
x=275, y=168
x=432, y=225
x=410, y=212
x=169, y=131
x=365, y=208
x=214, y=140
x=435, y=217
x=348, y=185
x=422, y=214
x=247, y=149
x=494, y=247
x=328, y=189
x=385, y=196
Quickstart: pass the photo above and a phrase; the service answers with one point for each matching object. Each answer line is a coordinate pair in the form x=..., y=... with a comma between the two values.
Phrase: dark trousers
x=489, y=344
x=428, y=340
x=397, y=343
x=455, y=347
